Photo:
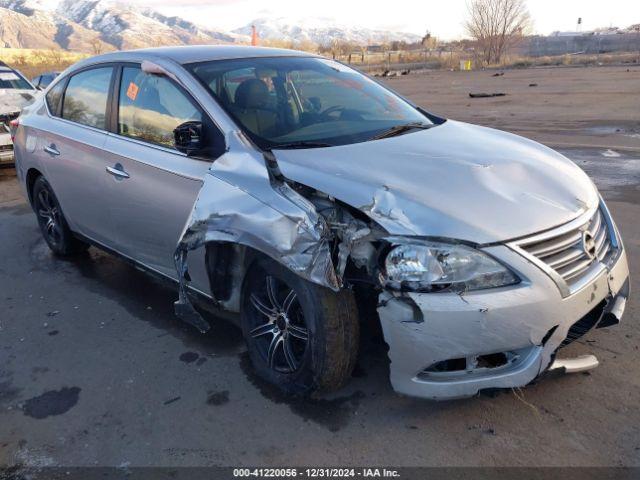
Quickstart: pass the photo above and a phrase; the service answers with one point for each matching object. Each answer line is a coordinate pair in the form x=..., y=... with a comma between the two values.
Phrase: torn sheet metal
x=240, y=202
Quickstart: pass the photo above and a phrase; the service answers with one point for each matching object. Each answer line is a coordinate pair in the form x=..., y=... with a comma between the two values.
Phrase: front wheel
x=301, y=337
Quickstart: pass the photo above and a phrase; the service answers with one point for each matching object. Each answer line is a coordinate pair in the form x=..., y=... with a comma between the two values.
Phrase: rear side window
x=11, y=79
x=53, y=98
x=151, y=107
x=85, y=100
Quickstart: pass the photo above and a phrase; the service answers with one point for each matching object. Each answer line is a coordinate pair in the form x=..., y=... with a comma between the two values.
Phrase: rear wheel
x=301, y=337
x=51, y=220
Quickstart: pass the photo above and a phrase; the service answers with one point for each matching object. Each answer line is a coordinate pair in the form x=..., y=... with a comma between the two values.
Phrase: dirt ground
x=96, y=370
x=570, y=106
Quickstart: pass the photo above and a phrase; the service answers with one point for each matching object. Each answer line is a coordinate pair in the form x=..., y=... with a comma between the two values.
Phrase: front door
x=154, y=186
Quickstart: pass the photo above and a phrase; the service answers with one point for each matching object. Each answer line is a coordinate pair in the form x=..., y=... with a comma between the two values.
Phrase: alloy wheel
x=49, y=216
x=278, y=325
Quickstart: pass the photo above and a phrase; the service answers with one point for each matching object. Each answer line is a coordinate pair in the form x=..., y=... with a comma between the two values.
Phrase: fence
x=588, y=44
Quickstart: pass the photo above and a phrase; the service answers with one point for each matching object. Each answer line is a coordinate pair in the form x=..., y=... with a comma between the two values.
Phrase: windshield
x=303, y=101
x=10, y=79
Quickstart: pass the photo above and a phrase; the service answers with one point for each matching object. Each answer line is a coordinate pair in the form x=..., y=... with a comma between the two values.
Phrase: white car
x=15, y=93
x=304, y=195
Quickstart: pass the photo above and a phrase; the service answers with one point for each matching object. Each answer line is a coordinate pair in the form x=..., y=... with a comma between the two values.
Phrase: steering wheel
x=326, y=114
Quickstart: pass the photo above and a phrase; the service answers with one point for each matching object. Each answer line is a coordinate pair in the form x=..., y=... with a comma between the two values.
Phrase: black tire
x=53, y=225
x=322, y=363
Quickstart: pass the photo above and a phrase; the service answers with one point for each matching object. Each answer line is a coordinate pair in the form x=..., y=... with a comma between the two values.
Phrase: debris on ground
x=390, y=74
x=533, y=84
x=498, y=74
x=53, y=313
x=487, y=95
x=610, y=154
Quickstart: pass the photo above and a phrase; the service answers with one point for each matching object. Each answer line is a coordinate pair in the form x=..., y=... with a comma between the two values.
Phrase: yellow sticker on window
x=132, y=91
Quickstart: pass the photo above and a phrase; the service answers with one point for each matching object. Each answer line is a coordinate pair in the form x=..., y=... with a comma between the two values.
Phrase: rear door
x=154, y=194
x=71, y=149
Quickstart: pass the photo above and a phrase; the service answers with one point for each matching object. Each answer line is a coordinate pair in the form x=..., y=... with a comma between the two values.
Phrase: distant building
x=608, y=31
x=599, y=31
x=571, y=34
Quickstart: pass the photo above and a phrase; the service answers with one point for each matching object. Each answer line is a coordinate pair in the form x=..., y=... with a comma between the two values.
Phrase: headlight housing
x=436, y=266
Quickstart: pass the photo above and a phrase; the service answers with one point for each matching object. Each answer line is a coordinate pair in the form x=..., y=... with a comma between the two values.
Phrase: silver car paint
x=486, y=322
x=241, y=202
x=441, y=182
x=147, y=209
x=77, y=175
x=96, y=204
x=401, y=182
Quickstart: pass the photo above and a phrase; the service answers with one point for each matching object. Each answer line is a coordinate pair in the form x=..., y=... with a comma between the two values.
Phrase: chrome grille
x=572, y=253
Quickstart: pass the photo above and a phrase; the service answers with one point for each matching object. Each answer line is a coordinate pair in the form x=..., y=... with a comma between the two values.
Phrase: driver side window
x=151, y=107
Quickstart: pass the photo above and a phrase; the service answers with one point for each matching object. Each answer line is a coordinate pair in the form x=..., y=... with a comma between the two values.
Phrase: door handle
x=117, y=171
x=52, y=150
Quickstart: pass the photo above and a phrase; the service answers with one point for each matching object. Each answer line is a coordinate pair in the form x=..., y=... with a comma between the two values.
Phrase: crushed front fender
x=242, y=201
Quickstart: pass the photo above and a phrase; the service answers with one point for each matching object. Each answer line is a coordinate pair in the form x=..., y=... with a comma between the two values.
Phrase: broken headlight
x=435, y=266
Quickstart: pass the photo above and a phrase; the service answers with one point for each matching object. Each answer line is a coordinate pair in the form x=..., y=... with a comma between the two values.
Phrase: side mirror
x=187, y=138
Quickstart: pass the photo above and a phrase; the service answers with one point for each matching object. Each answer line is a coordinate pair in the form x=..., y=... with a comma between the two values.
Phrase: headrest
x=252, y=93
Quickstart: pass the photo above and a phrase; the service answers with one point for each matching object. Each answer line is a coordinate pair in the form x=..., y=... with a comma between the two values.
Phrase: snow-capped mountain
x=99, y=25
x=35, y=24
x=91, y=25
x=125, y=26
x=321, y=31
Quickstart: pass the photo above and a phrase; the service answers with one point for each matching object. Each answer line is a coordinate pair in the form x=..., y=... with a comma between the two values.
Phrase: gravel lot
x=96, y=370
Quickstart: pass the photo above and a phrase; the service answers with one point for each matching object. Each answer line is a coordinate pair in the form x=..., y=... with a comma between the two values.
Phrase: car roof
x=198, y=53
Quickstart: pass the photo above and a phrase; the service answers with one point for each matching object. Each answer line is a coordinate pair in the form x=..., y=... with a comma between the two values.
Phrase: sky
x=443, y=18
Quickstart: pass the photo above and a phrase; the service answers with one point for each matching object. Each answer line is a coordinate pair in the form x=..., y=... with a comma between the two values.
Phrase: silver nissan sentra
x=311, y=200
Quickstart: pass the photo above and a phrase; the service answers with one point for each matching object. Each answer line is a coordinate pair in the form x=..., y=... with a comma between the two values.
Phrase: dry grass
x=566, y=60
x=33, y=62
x=451, y=60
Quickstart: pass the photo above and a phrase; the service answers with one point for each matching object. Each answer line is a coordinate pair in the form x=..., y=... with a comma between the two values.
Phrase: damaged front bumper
x=447, y=345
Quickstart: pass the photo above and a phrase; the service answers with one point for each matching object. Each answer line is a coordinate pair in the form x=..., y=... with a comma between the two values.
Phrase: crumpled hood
x=14, y=100
x=455, y=180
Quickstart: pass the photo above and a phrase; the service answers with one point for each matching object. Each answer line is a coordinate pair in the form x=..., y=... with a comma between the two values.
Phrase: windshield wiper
x=300, y=144
x=400, y=129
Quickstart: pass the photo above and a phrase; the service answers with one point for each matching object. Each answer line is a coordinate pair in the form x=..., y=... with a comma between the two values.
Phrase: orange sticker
x=132, y=91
